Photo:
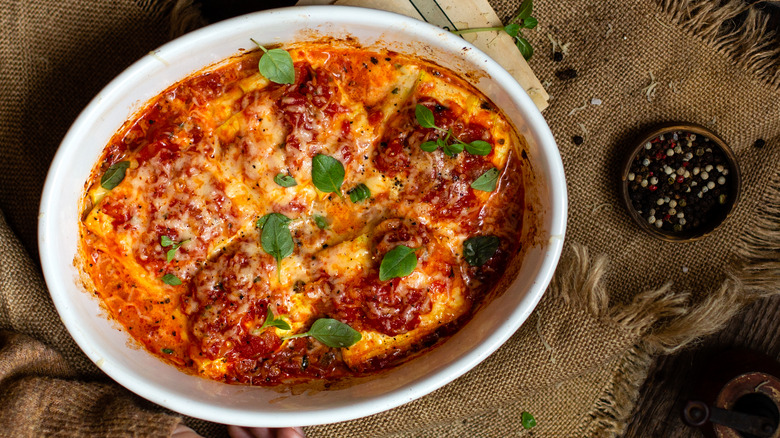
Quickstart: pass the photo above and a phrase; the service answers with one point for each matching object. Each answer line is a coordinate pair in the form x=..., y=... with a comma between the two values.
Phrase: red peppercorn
x=685, y=164
x=667, y=217
x=680, y=179
x=650, y=173
x=653, y=188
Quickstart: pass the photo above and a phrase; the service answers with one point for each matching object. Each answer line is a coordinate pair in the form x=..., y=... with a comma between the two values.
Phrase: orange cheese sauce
x=202, y=160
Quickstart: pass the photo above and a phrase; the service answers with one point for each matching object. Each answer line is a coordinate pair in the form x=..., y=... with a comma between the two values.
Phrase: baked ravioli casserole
x=265, y=233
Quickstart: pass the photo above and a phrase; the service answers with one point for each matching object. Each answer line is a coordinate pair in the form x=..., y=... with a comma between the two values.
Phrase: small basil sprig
x=359, y=193
x=167, y=351
x=527, y=420
x=398, y=262
x=452, y=149
x=114, y=175
x=276, y=239
x=425, y=119
x=523, y=20
x=327, y=174
x=270, y=321
x=478, y=250
x=285, y=180
x=331, y=332
x=276, y=65
x=487, y=181
x=166, y=241
x=171, y=279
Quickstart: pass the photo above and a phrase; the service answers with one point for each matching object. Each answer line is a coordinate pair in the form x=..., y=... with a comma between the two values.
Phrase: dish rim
x=136, y=383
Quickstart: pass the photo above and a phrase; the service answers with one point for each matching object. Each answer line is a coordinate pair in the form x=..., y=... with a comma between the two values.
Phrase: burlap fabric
x=579, y=360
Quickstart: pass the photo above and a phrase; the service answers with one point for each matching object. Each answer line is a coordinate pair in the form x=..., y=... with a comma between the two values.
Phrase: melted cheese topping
x=202, y=160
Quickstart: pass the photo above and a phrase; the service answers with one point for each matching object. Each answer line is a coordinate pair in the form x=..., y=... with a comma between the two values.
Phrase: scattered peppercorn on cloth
x=618, y=298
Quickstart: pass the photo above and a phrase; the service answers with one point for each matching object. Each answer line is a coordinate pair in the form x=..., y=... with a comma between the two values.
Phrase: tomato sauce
x=179, y=255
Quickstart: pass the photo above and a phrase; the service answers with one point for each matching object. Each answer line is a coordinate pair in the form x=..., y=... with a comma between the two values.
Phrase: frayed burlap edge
x=616, y=403
x=733, y=27
x=760, y=247
x=668, y=321
x=665, y=321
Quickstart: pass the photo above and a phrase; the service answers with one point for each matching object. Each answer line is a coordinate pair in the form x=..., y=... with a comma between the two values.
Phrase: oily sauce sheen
x=202, y=160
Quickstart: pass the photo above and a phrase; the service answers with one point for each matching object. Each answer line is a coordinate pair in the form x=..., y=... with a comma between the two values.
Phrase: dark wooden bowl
x=718, y=216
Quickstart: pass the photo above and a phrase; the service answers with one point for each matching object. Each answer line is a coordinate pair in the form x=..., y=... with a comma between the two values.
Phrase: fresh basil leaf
x=167, y=351
x=327, y=174
x=334, y=333
x=527, y=420
x=320, y=222
x=487, y=181
x=424, y=116
x=285, y=180
x=114, y=175
x=429, y=146
x=275, y=238
x=270, y=321
x=453, y=149
x=525, y=47
x=398, y=262
x=530, y=22
x=525, y=11
x=260, y=222
x=359, y=193
x=478, y=250
x=277, y=66
x=478, y=147
x=171, y=280
x=166, y=241
x=512, y=29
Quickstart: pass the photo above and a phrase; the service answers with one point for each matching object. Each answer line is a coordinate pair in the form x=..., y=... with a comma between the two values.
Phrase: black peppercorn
x=759, y=143
x=578, y=140
x=558, y=56
x=566, y=74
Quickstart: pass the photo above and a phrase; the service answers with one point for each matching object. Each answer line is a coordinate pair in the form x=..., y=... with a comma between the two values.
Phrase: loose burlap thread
x=578, y=361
